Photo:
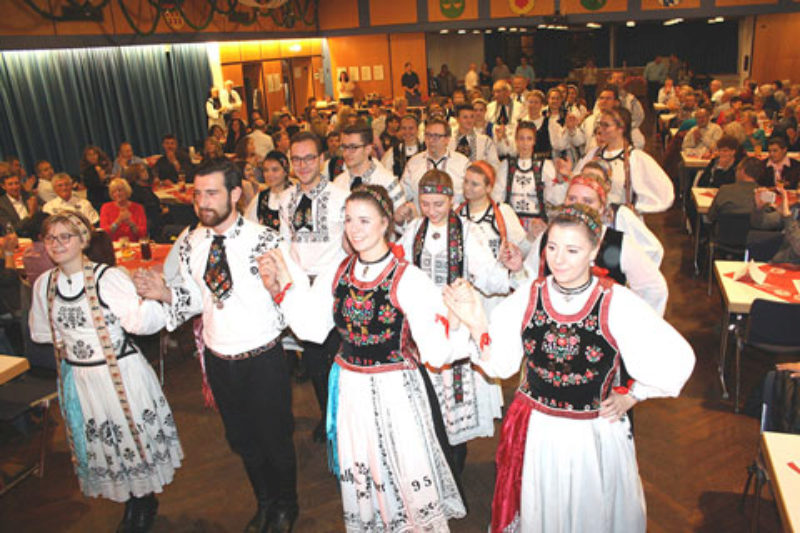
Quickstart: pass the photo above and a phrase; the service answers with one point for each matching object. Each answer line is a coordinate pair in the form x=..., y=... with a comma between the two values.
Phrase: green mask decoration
x=452, y=8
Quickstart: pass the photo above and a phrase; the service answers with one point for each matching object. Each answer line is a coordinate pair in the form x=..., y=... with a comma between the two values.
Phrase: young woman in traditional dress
x=637, y=180
x=620, y=256
x=566, y=460
x=447, y=247
x=120, y=429
x=263, y=208
x=528, y=183
x=383, y=445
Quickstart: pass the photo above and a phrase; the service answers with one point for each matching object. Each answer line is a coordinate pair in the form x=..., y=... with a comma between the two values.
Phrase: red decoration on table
x=779, y=282
x=794, y=467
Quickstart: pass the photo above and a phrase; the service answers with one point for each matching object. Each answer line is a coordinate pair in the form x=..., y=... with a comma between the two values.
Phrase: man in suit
x=779, y=167
x=17, y=205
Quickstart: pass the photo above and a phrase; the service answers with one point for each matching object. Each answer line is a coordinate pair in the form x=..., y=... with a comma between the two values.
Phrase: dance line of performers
x=413, y=291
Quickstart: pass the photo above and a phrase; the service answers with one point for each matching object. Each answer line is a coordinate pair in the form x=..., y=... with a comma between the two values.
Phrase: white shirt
x=651, y=186
x=234, y=103
x=471, y=80
x=481, y=146
x=709, y=135
x=317, y=248
x=375, y=175
x=481, y=268
x=655, y=354
x=262, y=143
x=75, y=203
x=388, y=158
x=523, y=197
x=249, y=318
x=634, y=227
x=19, y=206
x=453, y=163
x=45, y=191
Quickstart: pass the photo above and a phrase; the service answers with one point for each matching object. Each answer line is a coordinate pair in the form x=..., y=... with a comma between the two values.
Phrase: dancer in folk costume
x=383, y=447
x=447, y=247
x=566, y=460
x=120, y=429
x=264, y=208
x=620, y=256
x=498, y=221
x=637, y=180
x=529, y=183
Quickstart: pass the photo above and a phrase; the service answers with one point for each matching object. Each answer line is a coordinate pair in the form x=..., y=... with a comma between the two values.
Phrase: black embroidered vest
x=570, y=361
x=537, y=164
x=609, y=258
x=373, y=328
x=266, y=216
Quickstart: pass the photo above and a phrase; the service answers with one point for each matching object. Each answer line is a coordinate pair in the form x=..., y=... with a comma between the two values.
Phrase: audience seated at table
x=263, y=142
x=174, y=162
x=737, y=198
x=95, y=167
x=142, y=193
x=778, y=166
x=120, y=217
x=212, y=149
x=701, y=140
x=667, y=91
x=721, y=170
x=778, y=215
x=16, y=205
x=67, y=201
x=125, y=158
x=246, y=151
x=755, y=138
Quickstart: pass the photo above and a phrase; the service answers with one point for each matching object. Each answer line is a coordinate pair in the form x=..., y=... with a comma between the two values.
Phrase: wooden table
x=175, y=194
x=737, y=298
x=11, y=367
x=781, y=449
x=130, y=256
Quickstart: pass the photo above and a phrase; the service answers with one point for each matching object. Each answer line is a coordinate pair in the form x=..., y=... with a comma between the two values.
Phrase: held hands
x=463, y=301
x=794, y=368
x=616, y=405
x=273, y=271
x=511, y=256
x=151, y=285
x=536, y=228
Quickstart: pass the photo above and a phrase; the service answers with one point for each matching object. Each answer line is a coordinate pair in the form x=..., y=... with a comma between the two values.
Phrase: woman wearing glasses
x=120, y=429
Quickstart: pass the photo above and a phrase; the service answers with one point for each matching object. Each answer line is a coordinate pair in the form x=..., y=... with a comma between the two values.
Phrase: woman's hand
x=511, y=256
x=274, y=272
x=151, y=285
x=463, y=301
x=536, y=228
x=616, y=405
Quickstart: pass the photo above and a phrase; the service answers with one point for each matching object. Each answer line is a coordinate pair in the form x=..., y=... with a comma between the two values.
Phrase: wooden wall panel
x=230, y=52
x=382, y=13
x=408, y=47
x=776, y=55
x=725, y=3
x=654, y=5
x=338, y=14
x=358, y=51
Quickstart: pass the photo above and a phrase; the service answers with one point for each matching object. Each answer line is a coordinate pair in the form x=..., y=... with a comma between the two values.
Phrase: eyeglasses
x=307, y=160
x=62, y=239
x=435, y=136
x=352, y=147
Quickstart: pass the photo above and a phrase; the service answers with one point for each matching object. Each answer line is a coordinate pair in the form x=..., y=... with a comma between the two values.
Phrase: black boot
x=125, y=525
x=260, y=521
x=144, y=513
x=320, y=383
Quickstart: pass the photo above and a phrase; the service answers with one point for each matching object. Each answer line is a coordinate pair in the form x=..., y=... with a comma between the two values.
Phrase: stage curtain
x=56, y=102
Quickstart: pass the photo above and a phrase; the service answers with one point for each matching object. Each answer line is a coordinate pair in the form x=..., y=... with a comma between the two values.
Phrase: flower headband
x=584, y=214
x=377, y=197
x=436, y=189
x=592, y=183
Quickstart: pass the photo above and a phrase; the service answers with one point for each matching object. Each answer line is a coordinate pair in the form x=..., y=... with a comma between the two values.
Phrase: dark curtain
x=56, y=102
x=708, y=48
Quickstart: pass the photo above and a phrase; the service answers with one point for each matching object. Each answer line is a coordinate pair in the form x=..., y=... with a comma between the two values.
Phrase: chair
x=772, y=327
x=780, y=409
x=728, y=235
x=763, y=245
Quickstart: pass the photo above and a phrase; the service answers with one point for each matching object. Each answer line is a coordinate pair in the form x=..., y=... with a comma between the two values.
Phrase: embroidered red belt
x=536, y=405
x=376, y=368
x=248, y=354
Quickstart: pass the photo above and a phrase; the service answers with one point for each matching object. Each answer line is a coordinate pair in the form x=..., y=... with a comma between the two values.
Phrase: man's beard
x=212, y=218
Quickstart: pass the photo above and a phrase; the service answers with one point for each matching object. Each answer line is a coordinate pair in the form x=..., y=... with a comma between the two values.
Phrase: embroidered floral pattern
x=387, y=314
x=593, y=353
x=82, y=350
x=71, y=317
x=561, y=343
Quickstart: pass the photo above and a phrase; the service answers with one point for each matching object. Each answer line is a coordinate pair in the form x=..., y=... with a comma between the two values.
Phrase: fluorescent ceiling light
x=444, y=31
x=462, y=32
x=672, y=22
x=594, y=25
x=501, y=28
x=512, y=30
x=295, y=48
x=631, y=24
